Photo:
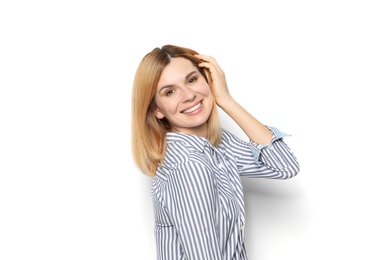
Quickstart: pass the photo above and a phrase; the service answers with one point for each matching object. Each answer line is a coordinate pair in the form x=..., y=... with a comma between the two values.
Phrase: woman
x=195, y=165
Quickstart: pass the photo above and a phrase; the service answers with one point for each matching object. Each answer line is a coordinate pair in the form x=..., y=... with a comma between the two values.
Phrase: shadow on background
x=276, y=213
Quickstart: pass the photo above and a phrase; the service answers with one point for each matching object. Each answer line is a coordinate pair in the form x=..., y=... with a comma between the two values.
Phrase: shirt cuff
x=256, y=148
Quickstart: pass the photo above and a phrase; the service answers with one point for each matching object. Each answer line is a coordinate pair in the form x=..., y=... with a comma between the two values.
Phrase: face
x=184, y=97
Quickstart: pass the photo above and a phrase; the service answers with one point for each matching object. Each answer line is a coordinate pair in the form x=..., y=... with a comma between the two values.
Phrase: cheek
x=205, y=89
x=165, y=105
x=208, y=92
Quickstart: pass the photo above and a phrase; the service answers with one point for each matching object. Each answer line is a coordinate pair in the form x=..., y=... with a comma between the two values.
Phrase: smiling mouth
x=192, y=109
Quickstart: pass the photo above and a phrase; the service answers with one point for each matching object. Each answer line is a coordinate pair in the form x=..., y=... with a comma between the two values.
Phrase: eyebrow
x=186, y=78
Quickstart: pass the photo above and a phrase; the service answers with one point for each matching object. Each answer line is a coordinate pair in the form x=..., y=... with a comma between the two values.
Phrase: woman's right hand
x=219, y=84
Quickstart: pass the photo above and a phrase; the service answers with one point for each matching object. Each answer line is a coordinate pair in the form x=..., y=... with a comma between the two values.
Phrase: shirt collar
x=197, y=142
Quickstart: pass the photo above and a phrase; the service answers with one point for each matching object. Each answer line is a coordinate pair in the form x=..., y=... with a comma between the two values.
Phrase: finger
x=208, y=60
x=211, y=67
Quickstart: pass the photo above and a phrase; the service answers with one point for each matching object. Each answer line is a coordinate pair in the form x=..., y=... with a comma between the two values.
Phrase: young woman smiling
x=196, y=165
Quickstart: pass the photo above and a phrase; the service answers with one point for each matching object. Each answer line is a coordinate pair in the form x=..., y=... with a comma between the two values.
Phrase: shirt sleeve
x=191, y=206
x=273, y=161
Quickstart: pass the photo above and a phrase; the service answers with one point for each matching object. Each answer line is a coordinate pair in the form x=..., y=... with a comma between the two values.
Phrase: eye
x=169, y=92
x=192, y=80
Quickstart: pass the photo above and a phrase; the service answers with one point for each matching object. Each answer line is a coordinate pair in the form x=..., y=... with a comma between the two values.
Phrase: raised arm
x=253, y=128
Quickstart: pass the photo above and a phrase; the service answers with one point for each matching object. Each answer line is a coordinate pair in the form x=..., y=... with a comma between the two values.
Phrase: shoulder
x=182, y=156
x=231, y=141
x=227, y=135
x=190, y=173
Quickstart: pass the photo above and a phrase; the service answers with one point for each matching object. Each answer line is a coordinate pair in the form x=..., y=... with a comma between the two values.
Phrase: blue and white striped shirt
x=197, y=193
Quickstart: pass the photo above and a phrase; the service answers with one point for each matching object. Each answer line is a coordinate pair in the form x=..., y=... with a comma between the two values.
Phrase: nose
x=189, y=95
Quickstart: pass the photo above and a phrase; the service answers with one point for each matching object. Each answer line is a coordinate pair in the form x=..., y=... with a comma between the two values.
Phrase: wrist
x=226, y=103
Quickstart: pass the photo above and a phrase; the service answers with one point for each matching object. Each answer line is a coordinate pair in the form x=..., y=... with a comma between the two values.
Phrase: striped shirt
x=197, y=193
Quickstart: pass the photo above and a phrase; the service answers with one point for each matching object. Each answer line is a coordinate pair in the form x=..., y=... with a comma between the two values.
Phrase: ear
x=158, y=113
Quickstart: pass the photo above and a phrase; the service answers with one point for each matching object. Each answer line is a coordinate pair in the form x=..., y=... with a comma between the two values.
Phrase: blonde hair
x=148, y=133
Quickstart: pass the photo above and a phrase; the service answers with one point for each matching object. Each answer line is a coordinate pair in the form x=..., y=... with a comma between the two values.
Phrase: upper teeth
x=192, y=109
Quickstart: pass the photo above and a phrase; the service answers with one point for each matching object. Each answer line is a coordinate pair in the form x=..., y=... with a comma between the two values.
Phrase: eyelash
x=192, y=80
x=170, y=91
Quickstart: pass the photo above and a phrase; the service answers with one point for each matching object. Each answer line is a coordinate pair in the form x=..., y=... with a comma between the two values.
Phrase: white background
x=318, y=70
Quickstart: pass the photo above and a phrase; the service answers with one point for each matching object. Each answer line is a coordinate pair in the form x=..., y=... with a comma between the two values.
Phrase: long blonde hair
x=148, y=133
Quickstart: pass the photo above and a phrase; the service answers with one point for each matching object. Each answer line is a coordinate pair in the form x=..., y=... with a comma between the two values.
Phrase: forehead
x=176, y=70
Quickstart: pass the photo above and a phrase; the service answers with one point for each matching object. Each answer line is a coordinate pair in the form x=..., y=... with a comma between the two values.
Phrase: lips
x=192, y=109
